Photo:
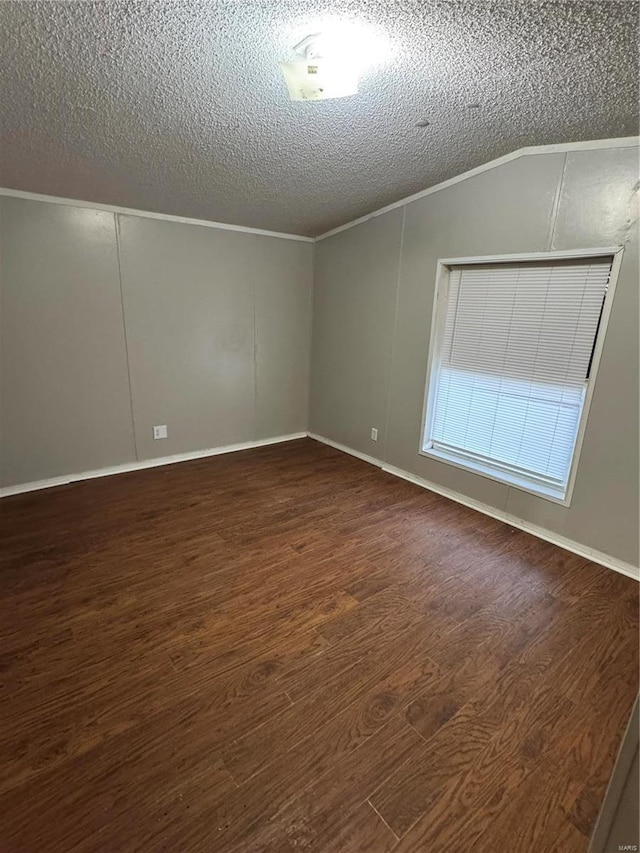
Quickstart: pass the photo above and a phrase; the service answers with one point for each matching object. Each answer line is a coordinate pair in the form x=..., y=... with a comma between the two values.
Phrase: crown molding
x=560, y=148
x=147, y=214
x=563, y=147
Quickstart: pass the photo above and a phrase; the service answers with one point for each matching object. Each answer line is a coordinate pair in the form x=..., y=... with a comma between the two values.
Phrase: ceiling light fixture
x=330, y=62
x=316, y=76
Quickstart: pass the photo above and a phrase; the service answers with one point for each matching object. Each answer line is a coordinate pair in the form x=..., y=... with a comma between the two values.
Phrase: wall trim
x=148, y=214
x=128, y=467
x=542, y=533
x=343, y=447
x=558, y=148
x=562, y=147
x=588, y=553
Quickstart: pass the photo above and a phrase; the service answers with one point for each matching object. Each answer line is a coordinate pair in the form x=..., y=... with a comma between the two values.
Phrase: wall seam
x=312, y=289
x=553, y=218
x=2, y=358
x=255, y=359
x=393, y=336
x=116, y=224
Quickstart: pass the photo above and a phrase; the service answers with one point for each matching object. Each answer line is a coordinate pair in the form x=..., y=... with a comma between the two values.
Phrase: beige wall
x=107, y=332
x=373, y=299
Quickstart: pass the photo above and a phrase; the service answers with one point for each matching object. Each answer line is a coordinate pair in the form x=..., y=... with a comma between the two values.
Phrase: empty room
x=319, y=426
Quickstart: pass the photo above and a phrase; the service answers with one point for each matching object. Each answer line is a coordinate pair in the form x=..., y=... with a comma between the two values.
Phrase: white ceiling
x=179, y=107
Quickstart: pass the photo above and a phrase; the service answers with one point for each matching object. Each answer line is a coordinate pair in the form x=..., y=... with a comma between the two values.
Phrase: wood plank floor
x=287, y=648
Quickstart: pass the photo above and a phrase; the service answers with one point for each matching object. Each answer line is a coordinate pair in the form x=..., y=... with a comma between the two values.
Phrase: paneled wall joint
x=393, y=336
x=116, y=224
x=556, y=205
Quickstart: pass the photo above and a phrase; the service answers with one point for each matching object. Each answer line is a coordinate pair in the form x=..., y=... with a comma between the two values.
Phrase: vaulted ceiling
x=180, y=108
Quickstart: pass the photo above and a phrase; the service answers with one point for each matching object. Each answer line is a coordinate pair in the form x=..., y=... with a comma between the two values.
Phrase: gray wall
x=112, y=324
x=618, y=823
x=373, y=298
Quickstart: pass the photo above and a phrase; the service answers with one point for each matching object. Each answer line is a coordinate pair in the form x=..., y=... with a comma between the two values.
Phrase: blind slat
x=528, y=320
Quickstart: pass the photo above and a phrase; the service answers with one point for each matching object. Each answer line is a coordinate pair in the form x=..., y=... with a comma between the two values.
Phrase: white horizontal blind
x=514, y=360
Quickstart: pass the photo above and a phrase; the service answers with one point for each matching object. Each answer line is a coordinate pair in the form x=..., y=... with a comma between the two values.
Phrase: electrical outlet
x=374, y=434
x=160, y=431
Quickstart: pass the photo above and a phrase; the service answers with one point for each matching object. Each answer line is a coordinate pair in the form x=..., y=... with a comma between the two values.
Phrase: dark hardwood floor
x=287, y=648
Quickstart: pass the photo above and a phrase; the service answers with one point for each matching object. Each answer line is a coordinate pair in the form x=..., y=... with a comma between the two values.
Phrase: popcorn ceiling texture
x=179, y=107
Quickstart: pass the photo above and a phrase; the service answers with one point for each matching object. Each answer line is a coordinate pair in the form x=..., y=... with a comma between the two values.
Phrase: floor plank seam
x=383, y=820
x=419, y=733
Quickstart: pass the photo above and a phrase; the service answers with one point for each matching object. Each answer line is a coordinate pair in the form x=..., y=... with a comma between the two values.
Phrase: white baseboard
x=541, y=532
x=370, y=459
x=145, y=463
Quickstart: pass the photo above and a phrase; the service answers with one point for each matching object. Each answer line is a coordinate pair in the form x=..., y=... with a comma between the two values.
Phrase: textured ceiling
x=179, y=107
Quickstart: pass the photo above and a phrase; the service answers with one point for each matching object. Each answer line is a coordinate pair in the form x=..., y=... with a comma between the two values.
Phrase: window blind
x=515, y=354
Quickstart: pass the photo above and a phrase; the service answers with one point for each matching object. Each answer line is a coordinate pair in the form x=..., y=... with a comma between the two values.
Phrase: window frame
x=443, y=270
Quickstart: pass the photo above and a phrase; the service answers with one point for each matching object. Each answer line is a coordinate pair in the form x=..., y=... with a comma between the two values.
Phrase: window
x=513, y=355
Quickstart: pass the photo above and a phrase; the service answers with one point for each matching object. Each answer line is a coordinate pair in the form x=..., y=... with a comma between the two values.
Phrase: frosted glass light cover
x=319, y=79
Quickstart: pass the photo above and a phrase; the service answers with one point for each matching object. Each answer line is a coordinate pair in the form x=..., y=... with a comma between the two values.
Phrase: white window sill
x=541, y=490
